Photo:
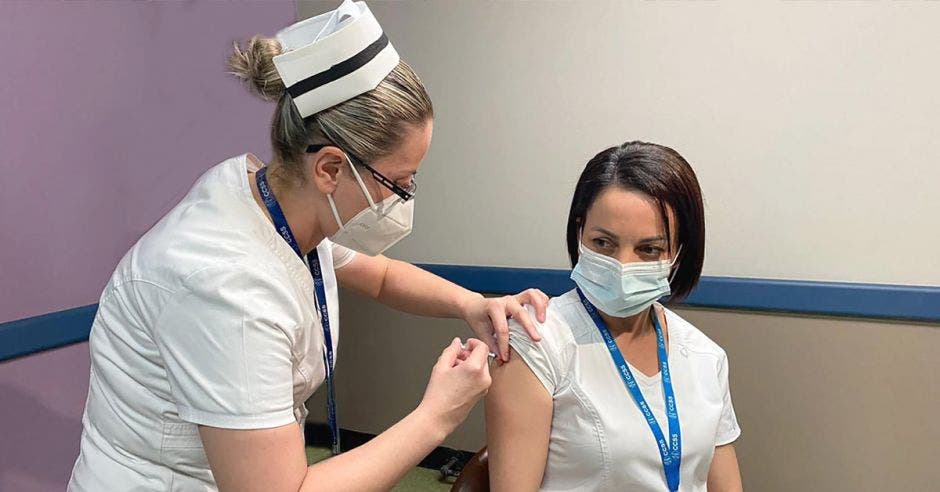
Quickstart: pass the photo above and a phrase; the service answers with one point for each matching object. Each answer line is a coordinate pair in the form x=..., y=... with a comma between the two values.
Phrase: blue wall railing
x=858, y=300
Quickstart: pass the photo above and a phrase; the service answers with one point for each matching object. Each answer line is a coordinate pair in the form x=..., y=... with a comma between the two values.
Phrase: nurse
x=222, y=320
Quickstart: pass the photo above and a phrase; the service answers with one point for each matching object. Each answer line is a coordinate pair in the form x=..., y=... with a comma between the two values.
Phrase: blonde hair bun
x=254, y=64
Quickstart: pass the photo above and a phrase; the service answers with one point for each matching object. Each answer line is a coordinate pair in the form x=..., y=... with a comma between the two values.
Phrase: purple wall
x=41, y=401
x=108, y=113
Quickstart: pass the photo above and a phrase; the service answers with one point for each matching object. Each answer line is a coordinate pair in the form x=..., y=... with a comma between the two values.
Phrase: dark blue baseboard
x=48, y=331
x=877, y=301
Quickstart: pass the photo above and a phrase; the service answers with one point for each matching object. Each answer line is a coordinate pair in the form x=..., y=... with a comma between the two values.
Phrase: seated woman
x=621, y=393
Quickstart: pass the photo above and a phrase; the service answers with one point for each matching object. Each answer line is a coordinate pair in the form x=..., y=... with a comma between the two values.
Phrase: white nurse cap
x=334, y=57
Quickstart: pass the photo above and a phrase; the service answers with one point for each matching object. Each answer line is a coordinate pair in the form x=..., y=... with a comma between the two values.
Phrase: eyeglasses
x=403, y=193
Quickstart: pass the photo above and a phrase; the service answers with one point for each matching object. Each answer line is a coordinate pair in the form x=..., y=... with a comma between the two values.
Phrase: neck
x=299, y=206
x=632, y=326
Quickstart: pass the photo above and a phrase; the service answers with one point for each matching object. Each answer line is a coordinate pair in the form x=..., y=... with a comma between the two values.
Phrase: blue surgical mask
x=621, y=289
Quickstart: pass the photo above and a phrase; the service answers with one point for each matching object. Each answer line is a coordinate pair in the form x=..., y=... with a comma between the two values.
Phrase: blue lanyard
x=313, y=260
x=671, y=453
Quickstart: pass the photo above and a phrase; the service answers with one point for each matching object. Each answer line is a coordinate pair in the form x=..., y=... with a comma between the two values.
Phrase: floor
x=419, y=479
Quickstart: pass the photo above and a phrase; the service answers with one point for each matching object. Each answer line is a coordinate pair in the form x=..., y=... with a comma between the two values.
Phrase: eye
x=406, y=182
x=603, y=243
x=651, y=252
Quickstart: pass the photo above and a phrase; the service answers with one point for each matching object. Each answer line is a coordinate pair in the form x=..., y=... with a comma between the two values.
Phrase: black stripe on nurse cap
x=339, y=70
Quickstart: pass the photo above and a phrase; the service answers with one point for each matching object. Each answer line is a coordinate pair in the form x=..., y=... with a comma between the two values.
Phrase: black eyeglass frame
x=402, y=193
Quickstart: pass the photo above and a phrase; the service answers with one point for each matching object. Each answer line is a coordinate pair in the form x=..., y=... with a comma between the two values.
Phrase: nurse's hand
x=459, y=379
x=487, y=318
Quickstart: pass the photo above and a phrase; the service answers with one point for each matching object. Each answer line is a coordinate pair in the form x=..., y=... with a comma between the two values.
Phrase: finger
x=486, y=336
x=541, y=305
x=500, y=331
x=449, y=355
x=537, y=299
x=521, y=315
x=473, y=343
x=478, y=354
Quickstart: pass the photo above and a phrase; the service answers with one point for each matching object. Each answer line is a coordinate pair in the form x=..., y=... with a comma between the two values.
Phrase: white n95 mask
x=378, y=226
x=621, y=289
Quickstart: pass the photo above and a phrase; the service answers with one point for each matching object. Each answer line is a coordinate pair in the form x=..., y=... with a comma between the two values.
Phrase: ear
x=325, y=167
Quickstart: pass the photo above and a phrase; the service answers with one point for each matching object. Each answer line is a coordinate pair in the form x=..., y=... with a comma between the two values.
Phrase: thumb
x=478, y=351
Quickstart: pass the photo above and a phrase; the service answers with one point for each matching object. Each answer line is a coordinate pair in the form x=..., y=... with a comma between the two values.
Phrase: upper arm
x=363, y=274
x=724, y=474
x=256, y=460
x=518, y=427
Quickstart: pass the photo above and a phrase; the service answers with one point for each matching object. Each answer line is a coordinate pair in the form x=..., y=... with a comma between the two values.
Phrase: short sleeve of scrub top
x=539, y=356
x=728, y=429
x=342, y=256
x=226, y=341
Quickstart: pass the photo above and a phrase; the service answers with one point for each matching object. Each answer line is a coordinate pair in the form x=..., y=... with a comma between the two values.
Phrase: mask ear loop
x=583, y=250
x=362, y=187
x=581, y=245
x=329, y=198
x=674, y=264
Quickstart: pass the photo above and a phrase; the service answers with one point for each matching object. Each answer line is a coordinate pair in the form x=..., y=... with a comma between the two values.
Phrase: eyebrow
x=653, y=239
x=604, y=231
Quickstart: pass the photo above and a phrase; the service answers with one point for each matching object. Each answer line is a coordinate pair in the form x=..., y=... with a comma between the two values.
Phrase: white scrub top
x=599, y=438
x=209, y=319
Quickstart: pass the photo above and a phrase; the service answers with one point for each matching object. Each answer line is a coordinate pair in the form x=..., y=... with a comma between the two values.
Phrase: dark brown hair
x=662, y=174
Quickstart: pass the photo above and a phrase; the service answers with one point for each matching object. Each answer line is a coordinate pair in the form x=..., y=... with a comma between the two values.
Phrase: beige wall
x=813, y=128
x=812, y=125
